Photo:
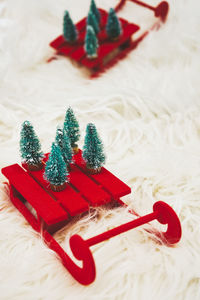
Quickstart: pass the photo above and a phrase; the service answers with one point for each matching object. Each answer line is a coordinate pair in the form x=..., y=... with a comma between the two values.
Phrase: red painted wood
x=68, y=198
x=108, y=46
x=58, y=42
x=107, y=53
x=162, y=212
x=121, y=229
x=24, y=210
x=80, y=26
x=44, y=205
x=66, y=49
x=76, y=51
x=106, y=179
x=104, y=17
x=85, y=274
x=88, y=188
x=78, y=54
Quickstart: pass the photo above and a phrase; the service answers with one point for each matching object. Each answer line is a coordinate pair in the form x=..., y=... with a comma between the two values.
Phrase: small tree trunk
x=58, y=188
x=35, y=167
x=92, y=170
x=75, y=149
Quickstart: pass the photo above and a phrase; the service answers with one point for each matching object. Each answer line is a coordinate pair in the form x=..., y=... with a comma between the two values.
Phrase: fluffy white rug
x=146, y=109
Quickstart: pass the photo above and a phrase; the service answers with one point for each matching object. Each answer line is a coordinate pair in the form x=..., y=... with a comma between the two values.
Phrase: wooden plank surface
x=68, y=198
x=109, y=182
x=42, y=202
x=95, y=195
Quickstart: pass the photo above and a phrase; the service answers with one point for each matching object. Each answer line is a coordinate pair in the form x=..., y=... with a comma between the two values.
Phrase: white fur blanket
x=146, y=109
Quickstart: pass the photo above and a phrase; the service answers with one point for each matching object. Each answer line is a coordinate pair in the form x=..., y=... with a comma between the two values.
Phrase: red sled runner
x=48, y=211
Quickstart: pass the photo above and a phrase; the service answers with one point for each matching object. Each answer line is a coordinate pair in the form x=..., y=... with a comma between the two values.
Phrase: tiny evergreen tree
x=63, y=142
x=55, y=170
x=71, y=127
x=113, y=26
x=92, y=21
x=93, y=148
x=91, y=43
x=95, y=11
x=59, y=137
x=30, y=147
x=69, y=29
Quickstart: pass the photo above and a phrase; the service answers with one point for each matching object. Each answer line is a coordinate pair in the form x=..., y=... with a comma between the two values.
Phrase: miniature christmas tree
x=95, y=11
x=113, y=26
x=91, y=43
x=63, y=142
x=69, y=29
x=71, y=128
x=30, y=147
x=92, y=21
x=93, y=149
x=55, y=170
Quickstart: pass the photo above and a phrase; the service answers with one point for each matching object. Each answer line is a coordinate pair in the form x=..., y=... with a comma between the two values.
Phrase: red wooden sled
x=49, y=211
x=109, y=52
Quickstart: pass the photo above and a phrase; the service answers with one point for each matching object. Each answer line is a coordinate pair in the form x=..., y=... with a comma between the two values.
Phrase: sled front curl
x=109, y=51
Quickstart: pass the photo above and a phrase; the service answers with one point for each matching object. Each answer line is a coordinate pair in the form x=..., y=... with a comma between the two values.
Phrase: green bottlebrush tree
x=95, y=11
x=71, y=127
x=69, y=29
x=92, y=21
x=113, y=26
x=30, y=147
x=55, y=170
x=91, y=43
x=93, y=152
x=63, y=142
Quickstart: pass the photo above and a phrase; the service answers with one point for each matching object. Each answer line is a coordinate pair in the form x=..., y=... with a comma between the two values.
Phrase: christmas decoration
x=30, y=147
x=55, y=170
x=113, y=45
x=92, y=21
x=63, y=142
x=113, y=26
x=69, y=29
x=95, y=11
x=71, y=127
x=54, y=205
x=55, y=209
x=93, y=149
x=91, y=43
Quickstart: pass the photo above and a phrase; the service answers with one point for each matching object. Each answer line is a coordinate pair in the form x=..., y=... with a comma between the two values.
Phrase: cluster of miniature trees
x=113, y=29
x=57, y=167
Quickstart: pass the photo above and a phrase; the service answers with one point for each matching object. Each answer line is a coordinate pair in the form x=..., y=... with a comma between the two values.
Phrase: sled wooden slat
x=88, y=188
x=68, y=198
x=110, y=46
x=111, y=183
x=107, y=47
x=45, y=206
x=106, y=179
x=58, y=42
x=78, y=54
x=66, y=49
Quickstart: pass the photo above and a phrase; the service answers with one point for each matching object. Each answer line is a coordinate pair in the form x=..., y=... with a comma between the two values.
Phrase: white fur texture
x=146, y=109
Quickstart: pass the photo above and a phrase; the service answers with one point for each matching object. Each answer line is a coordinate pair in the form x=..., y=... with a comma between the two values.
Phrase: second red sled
x=109, y=52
